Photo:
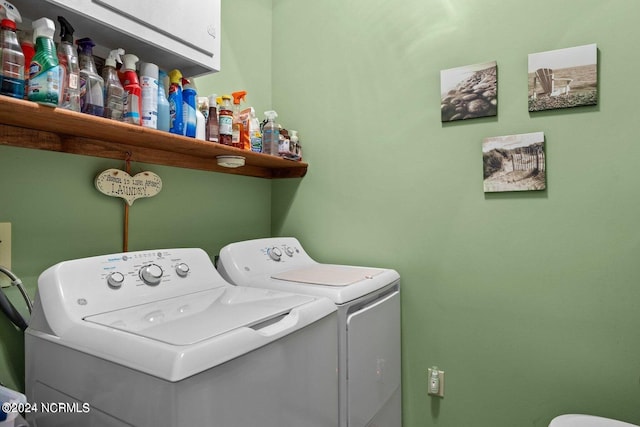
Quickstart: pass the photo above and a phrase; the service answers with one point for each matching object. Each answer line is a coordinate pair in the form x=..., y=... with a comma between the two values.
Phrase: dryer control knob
x=182, y=269
x=289, y=251
x=115, y=280
x=275, y=253
x=151, y=274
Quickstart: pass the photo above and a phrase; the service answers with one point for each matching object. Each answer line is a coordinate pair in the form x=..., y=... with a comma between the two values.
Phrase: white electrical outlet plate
x=5, y=251
x=440, y=392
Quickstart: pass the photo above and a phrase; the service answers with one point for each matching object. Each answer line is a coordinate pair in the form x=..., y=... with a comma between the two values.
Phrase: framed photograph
x=563, y=78
x=514, y=163
x=469, y=92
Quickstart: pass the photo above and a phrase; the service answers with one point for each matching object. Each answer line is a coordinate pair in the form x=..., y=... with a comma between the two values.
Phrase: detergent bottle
x=68, y=59
x=238, y=127
x=149, y=84
x=91, y=84
x=44, y=70
x=225, y=119
x=164, y=117
x=175, y=103
x=190, y=117
x=113, y=91
x=132, y=90
x=270, y=134
x=12, y=75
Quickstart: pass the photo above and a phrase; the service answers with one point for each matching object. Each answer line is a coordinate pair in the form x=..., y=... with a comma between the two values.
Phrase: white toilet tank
x=579, y=420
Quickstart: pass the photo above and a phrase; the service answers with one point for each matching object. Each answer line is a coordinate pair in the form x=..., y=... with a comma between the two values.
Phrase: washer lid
x=191, y=318
x=329, y=274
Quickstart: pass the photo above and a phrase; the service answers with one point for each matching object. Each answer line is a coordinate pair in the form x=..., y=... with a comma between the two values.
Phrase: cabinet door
x=193, y=22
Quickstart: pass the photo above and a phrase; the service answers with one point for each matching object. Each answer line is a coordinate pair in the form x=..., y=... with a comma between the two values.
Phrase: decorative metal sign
x=118, y=183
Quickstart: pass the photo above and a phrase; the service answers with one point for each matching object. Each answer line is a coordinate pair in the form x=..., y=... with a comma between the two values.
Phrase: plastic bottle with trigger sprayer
x=201, y=119
x=149, y=85
x=68, y=58
x=91, y=84
x=175, y=103
x=237, y=126
x=133, y=91
x=113, y=91
x=270, y=134
x=44, y=70
x=12, y=76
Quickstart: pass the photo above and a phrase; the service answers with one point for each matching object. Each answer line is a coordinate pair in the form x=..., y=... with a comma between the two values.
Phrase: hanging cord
x=8, y=308
x=125, y=236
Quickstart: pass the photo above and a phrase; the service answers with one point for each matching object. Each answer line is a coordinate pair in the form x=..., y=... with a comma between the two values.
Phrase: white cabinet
x=173, y=34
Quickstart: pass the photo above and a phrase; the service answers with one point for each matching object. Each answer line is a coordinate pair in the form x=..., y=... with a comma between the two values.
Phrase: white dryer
x=368, y=302
x=158, y=338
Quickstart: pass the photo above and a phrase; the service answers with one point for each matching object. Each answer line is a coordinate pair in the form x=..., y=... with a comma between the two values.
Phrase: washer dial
x=151, y=274
x=182, y=269
x=275, y=253
x=115, y=280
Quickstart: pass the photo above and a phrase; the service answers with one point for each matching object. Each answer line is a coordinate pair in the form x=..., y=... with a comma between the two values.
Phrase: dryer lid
x=191, y=318
x=329, y=274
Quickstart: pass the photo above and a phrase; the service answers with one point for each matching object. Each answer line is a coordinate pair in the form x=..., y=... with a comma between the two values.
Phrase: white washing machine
x=158, y=338
x=368, y=302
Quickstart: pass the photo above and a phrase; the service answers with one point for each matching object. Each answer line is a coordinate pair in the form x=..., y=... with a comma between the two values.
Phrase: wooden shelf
x=30, y=125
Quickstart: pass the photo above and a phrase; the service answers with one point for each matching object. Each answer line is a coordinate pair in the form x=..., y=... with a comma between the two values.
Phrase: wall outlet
x=435, y=379
x=5, y=251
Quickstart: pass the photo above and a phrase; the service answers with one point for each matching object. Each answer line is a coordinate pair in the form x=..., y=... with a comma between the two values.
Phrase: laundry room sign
x=118, y=183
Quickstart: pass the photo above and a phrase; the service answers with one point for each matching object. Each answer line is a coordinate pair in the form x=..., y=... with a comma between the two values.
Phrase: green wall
x=528, y=301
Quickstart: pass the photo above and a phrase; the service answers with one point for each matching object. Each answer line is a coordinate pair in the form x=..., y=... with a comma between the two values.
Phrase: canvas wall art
x=514, y=163
x=469, y=92
x=563, y=78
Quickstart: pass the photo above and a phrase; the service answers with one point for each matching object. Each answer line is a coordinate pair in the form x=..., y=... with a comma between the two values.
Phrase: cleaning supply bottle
x=91, y=84
x=113, y=91
x=132, y=90
x=149, y=84
x=201, y=118
x=255, y=135
x=270, y=134
x=12, y=76
x=225, y=118
x=213, y=126
x=164, y=118
x=175, y=103
x=44, y=70
x=189, y=108
x=68, y=59
x=26, y=44
x=237, y=126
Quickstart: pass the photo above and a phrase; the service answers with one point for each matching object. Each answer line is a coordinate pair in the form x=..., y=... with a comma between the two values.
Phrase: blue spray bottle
x=175, y=103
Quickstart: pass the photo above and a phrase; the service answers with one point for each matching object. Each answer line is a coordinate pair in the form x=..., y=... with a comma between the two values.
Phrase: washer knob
x=289, y=251
x=151, y=274
x=182, y=269
x=275, y=253
x=115, y=280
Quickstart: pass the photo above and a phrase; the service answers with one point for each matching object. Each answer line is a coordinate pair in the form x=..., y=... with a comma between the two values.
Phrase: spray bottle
x=44, y=70
x=225, y=119
x=255, y=136
x=189, y=108
x=175, y=103
x=270, y=134
x=238, y=128
x=149, y=84
x=113, y=91
x=26, y=44
x=12, y=75
x=164, y=118
x=91, y=84
x=68, y=59
x=132, y=90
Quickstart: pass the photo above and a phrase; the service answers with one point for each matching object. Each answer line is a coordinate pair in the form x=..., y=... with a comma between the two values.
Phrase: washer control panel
x=109, y=282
